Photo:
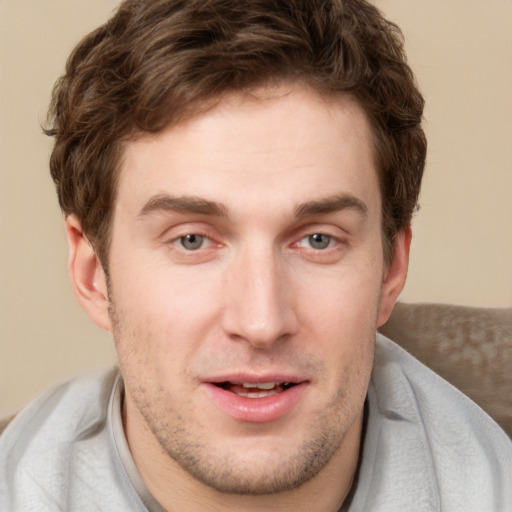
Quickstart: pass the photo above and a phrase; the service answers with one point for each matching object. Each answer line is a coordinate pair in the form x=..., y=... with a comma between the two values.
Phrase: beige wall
x=461, y=51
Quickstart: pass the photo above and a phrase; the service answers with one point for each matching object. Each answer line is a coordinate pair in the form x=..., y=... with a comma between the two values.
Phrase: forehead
x=280, y=145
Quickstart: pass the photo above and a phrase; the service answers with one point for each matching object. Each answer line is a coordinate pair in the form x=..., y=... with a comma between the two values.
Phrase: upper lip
x=247, y=378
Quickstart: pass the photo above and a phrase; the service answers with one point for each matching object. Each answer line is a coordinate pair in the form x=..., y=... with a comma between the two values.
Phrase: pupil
x=319, y=241
x=192, y=242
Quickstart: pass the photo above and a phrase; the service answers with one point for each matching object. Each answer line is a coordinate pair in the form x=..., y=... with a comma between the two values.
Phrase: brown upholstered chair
x=469, y=347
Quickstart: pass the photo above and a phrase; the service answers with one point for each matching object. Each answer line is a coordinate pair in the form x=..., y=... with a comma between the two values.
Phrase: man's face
x=246, y=275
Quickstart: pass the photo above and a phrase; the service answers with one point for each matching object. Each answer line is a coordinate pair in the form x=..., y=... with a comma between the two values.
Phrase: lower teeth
x=256, y=394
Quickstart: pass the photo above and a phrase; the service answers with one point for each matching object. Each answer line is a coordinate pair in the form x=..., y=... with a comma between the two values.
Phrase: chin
x=257, y=465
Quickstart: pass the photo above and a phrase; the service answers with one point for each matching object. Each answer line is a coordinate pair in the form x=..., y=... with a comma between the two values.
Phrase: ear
x=87, y=275
x=395, y=274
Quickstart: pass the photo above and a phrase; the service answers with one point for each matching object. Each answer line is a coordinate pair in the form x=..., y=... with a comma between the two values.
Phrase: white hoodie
x=427, y=448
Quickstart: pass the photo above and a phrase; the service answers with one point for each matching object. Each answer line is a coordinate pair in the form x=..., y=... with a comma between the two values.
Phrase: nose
x=258, y=303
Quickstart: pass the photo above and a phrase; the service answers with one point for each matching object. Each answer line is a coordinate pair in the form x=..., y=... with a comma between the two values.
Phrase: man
x=238, y=180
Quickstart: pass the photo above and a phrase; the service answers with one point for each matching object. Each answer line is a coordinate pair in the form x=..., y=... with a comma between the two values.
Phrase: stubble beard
x=229, y=473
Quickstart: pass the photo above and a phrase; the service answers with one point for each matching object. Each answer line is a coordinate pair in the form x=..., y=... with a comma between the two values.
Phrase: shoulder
x=45, y=443
x=70, y=408
x=396, y=370
x=436, y=436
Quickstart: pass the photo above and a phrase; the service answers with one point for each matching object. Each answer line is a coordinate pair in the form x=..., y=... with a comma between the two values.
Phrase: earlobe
x=87, y=274
x=395, y=274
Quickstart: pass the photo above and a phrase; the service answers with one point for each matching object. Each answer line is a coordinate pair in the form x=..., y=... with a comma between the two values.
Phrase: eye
x=317, y=241
x=193, y=241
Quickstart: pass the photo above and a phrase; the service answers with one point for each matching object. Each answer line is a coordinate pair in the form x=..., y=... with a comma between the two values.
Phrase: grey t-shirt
x=427, y=448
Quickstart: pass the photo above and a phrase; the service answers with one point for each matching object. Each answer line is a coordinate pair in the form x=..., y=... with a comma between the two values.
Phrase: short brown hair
x=155, y=60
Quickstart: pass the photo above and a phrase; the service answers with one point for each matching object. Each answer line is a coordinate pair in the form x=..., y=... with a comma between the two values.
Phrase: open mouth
x=256, y=400
x=255, y=390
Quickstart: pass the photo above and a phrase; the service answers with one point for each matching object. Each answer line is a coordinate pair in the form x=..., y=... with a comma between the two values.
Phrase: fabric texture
x=470, y=347
x=427, y=448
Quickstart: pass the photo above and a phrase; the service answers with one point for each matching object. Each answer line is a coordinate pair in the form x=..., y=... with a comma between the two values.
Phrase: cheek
x=161, y=314
x=342, y=298
x=341, y=318
x=164, y=293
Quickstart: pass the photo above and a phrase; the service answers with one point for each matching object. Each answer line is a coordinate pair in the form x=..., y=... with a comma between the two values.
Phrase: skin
x=258, y=296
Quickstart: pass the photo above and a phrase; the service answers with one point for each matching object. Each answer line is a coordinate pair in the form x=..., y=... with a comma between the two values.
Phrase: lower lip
x=256, y=410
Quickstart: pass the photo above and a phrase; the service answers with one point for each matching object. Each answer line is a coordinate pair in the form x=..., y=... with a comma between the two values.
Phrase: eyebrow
x=198, y=205
x=331, y=205
x=183, y=204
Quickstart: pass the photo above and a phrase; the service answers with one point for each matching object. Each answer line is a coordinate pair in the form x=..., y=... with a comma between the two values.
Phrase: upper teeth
x=260, y=385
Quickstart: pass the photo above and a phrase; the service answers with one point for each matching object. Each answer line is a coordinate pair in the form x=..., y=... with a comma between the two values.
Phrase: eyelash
x=329, y=249
x=181, y=240
x=204, y=251
x=311, y=240
x=327, y=244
